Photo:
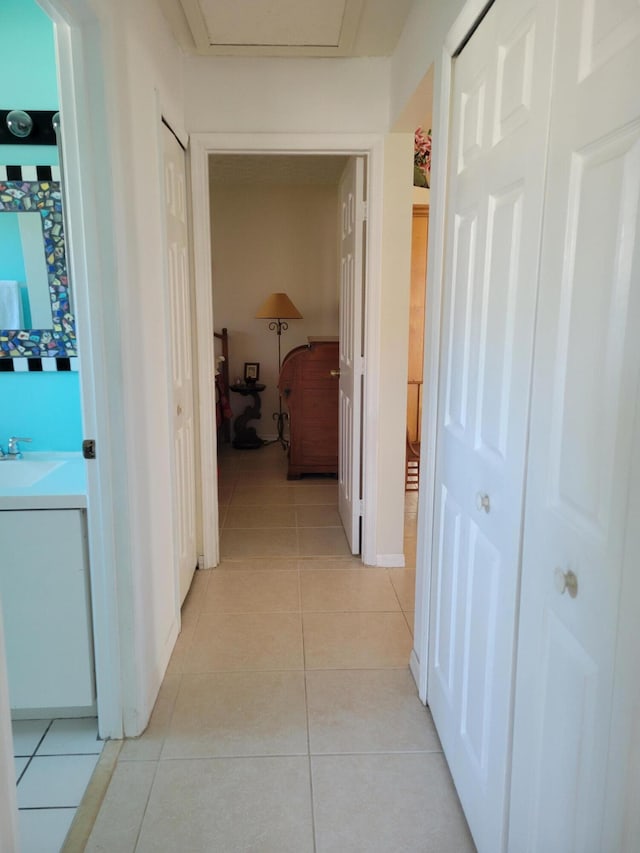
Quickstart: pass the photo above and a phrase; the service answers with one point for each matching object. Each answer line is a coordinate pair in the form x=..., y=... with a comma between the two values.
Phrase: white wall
x=141, y=67
x=287, y=95
x=394, y=344
x=419, y=45
x=269, y=238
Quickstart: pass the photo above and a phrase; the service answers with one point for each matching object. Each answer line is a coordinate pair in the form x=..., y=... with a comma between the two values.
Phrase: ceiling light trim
x=205, y=47
x=350, y=23
x=197, y=24
x=283, y=51
x=250, y=45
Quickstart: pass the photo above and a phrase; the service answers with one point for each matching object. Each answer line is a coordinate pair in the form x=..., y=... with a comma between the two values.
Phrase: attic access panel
x=273, y=27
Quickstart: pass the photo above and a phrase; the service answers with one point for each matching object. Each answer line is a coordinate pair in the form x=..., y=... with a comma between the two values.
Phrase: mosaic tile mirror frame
x=36, y=190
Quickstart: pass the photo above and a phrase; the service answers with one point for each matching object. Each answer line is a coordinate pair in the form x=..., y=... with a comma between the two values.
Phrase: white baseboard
x=390, y=561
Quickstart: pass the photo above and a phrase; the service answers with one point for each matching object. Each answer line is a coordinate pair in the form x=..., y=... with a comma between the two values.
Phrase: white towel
x=10, y=305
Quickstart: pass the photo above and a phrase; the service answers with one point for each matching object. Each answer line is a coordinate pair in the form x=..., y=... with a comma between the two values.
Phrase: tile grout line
x=170, y=717
x=164, y=737
x=306, y=707
x=263, y=756
x=304, y=653
x=24, y=769
x=146, y=806
x=33, y=754
x=47, y=808
x=395, y=592
x=408, y=625
x=62, y=754
x=323, y=668
x=286, y=611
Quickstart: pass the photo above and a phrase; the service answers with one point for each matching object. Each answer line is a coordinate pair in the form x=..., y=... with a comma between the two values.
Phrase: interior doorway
x=417, y=307
x=370, y=146
x=418, y=116
x=274, y=230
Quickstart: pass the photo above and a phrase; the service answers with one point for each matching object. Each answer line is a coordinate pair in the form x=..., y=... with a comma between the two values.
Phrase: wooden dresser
x=310, y=394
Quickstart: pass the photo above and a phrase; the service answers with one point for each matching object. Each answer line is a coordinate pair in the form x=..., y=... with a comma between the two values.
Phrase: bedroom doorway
x=274, y=224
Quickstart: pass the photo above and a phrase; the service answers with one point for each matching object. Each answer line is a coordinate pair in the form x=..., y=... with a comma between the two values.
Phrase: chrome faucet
x=13, y=448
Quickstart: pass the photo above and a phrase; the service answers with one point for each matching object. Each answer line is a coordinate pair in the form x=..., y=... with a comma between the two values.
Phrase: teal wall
x=43, y=406
x=27, y=74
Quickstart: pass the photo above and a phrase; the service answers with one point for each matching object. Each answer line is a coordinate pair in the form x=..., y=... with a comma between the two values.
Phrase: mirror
x=35, y=311
x=24, y=301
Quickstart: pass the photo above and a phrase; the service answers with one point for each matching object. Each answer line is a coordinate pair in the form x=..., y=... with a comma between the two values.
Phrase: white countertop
x=62, y=488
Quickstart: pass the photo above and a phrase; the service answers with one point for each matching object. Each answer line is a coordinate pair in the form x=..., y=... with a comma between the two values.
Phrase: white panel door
x=583, y=412
x=184, y=482
x=352, y=216
x=500, y=110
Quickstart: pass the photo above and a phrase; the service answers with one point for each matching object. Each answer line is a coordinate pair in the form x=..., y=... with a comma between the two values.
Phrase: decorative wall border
x=30, y=173
x=37, y=189
x=39, y=365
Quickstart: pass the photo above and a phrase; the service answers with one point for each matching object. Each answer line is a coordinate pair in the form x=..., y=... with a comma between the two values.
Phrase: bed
x=223, y=409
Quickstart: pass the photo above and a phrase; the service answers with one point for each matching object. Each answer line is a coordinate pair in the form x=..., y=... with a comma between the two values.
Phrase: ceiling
x=312, y=28
x=296, y=169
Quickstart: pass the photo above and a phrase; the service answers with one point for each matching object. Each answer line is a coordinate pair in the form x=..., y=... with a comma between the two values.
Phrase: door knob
x=565, y=582
x=334, y=373
x=483, y=502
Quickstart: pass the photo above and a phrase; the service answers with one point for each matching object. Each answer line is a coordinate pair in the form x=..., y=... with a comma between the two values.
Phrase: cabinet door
x=44, y=590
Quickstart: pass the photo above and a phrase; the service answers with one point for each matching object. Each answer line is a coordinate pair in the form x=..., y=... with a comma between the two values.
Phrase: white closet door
x=350, y=391
x=184, y=471
x=500, y=106
x=583, y=413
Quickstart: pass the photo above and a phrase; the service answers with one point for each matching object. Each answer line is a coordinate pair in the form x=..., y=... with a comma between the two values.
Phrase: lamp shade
x=278, y=307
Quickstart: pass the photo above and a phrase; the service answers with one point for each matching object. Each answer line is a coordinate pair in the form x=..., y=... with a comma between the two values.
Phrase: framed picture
x=251, y=371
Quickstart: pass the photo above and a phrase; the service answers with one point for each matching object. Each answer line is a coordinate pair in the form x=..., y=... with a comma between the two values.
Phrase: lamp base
x=280, y=418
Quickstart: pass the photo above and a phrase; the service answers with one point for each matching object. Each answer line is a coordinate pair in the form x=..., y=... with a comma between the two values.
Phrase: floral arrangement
x=421, y=158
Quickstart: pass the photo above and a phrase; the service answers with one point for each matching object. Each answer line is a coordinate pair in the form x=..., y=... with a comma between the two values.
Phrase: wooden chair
x=412, y=477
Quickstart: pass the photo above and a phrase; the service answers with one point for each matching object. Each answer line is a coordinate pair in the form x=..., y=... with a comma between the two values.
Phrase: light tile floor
x=288, y=719
x=54, y=761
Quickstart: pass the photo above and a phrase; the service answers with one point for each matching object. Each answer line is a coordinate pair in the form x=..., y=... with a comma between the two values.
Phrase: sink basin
x=22, y=473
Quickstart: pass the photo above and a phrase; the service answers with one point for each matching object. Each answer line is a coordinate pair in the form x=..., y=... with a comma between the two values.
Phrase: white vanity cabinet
x=45, y=595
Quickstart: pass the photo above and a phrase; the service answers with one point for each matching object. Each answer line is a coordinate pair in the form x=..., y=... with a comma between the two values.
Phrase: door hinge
x=364, y=210
x=89, y=448
x=361, y=507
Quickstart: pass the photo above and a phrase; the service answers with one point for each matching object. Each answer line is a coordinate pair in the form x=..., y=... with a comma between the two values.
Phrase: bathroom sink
x=23, y=473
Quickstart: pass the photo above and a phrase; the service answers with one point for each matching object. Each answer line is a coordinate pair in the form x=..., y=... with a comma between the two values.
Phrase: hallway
x=288, y=719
